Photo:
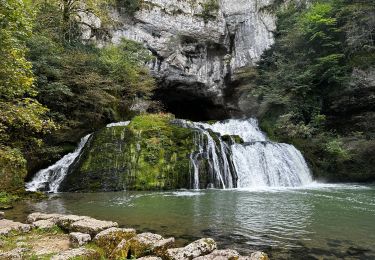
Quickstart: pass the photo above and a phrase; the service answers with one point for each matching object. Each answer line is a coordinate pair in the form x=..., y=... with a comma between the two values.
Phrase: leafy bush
x=129, y=6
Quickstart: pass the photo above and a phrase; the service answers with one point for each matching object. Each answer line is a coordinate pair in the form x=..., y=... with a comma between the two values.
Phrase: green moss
x=149, y=154
x=210, y=10
x=6, y=200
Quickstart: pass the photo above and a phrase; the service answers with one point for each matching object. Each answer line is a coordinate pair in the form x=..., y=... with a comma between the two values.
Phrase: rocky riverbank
x=60, y=237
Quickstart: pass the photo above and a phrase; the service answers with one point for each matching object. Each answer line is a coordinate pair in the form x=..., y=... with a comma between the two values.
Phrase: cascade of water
x=124, y=123
x=49, y=179
x=255, y=163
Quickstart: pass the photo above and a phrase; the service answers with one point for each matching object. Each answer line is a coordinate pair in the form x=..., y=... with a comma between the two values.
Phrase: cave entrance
x=185, y=104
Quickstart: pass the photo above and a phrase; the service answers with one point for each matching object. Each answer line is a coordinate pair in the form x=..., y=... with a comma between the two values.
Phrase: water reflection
x=333, y=221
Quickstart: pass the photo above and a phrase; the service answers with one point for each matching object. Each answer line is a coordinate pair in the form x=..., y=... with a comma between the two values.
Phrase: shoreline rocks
x=90, y=238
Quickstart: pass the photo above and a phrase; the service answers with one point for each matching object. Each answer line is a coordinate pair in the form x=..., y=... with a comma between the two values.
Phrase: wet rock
x=77, y=253
x=91, y=226
x=226, y=254
x=109, y=239
x=42, y=216
x=43, y=224
x=2, y=215
x=78, y=239
x=255, y=256
x=7, y=226
x=14, y=254
x=198, y=248
x=65, y=221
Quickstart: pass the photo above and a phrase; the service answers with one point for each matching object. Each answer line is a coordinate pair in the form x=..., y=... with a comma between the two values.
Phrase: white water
x=124, y=123
x=256, y=163
x=49, y=179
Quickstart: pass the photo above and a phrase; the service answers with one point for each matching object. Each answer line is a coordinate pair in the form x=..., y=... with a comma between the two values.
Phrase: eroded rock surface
x=198, y=248
x=7, y=226
x=91, y=226
x=81, y=253
x=220, y=255
x=196, y=52
x=78, y=239
x=110, y=238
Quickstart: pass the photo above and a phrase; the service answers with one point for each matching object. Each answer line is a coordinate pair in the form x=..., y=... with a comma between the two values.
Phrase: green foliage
x=300, y=78
x=210, y=9
x=64, y=18
x=129, y=6
x=336, y=149
x=13, y=169
x=23, y=119
x=124, y=64
x=6, y=200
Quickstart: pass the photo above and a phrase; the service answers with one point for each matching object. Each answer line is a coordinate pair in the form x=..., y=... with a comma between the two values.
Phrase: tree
x=22, y=118
x=73, y=14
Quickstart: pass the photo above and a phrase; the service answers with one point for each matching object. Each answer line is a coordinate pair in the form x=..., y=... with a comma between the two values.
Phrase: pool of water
x=320, y=221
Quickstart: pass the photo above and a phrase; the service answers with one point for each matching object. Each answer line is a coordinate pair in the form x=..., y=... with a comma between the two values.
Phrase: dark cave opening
x=185, y=104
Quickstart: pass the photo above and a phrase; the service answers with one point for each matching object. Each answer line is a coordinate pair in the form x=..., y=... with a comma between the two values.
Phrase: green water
x=323, y=221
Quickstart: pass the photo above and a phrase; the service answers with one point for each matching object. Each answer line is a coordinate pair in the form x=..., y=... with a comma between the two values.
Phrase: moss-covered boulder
x=151, y=153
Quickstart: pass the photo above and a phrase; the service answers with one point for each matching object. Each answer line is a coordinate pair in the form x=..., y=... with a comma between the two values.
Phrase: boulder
x=91, y=226
x=142, y=245
x=65, y=221
x=198, y=248
x=42, y=216
x=226, y=254
x=7, y=226
x=78, y=239
x=2, y=215
x=81, y=253
x=14, y=254
x=160, y=248
x=43, y=224
x=121, y=251
x=109, y=239
x=255, y=256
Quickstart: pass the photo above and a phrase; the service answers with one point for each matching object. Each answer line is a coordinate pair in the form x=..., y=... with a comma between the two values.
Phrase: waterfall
x=123, y=123
x=49, y=179
x=256, y=162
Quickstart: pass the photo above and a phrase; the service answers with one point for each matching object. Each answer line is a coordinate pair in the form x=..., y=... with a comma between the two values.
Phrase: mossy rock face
x=150, y=153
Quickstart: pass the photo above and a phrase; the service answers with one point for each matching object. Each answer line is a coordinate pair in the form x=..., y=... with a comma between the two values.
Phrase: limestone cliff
x=197, y=50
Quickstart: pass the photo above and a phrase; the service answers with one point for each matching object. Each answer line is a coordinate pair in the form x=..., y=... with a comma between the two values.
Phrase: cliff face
x=198, y=49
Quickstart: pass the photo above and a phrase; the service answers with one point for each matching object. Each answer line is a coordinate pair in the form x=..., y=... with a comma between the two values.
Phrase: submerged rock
x=2, y=215
x=198, y=248
x=78, y=239
x=77, y=253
